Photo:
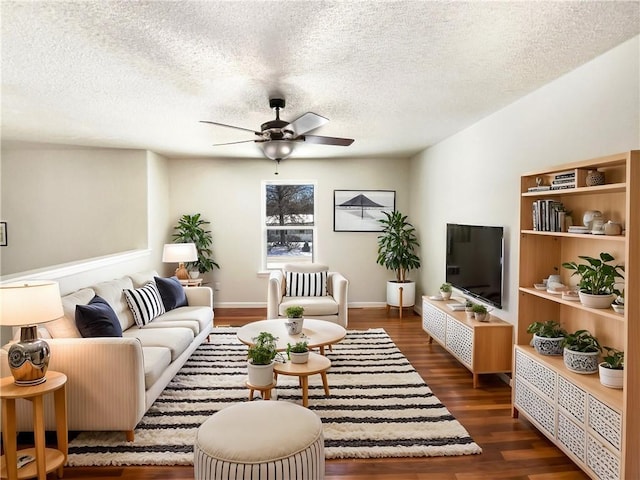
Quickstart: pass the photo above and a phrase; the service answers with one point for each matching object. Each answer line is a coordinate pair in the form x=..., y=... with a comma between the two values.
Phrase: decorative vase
x=596, y=301
x=547, y=345
x=611, y=377
x=589, y=216
x=294, y=325
x=299, y=357
x=581, y=362
x=594, y=177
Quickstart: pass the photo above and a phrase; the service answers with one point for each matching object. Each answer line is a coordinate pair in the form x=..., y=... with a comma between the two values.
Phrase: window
x=288, y=223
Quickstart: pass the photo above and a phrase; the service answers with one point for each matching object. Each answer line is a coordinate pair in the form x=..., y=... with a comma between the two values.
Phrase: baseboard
x=264, y=305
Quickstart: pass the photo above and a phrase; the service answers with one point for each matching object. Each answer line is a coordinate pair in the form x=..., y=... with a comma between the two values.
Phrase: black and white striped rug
x=379, y=407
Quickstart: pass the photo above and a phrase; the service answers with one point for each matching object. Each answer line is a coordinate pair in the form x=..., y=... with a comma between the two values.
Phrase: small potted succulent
x=294, y=319
x=581, y=351
x=480, y=312
x=261, y=356
x=468, y=308
x=445, y=291
x=548, y=337
x=298, y=352
x=596, y=287
x=612, y=368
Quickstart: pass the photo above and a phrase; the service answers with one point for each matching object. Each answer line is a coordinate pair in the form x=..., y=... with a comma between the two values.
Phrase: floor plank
x=512, y=449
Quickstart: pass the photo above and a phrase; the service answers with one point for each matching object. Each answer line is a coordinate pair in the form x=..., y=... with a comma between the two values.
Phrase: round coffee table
x=318, y=333
x=316, y=364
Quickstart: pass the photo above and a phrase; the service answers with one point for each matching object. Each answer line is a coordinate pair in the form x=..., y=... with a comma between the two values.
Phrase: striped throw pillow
x=306, y=284
x=145, y=303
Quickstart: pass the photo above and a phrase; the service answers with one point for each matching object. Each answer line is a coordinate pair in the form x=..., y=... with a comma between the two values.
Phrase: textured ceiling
x=397, y=76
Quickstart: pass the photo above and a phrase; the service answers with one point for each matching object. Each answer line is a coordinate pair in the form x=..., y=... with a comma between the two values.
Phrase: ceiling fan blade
x=343, y=142
x=231, y=126
x=233, y=143
x=305, y=123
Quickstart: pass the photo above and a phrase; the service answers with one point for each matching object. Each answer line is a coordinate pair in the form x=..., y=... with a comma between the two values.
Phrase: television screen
x=475, y=260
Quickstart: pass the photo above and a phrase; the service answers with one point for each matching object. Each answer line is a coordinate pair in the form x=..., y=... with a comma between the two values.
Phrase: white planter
x=260, y=375
x=299, y=357
x=481, y=317
x=610, y=377
x=596, y=301
x=408, y=293
x=194, y=274
x=547, y=345
x=294, y=325
x=581, y=362
x=445, y=295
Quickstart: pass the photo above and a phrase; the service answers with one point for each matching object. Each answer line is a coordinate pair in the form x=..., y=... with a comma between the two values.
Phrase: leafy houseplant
x=612, y=368
x=190, y=229
x=480, y=312
x=299, y=352
x=468, y=308
x=598, y=278
x=581, y=350
x=548, y=337
x=294, y=319
x=445, y=291
x=261, y=355
x=294, y=311
x=397, y=245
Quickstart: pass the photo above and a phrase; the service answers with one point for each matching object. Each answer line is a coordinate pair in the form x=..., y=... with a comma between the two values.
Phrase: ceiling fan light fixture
x=277, y=149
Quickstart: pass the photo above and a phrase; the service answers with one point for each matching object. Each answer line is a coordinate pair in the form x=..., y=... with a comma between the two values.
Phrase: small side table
x=191, y=282
x=316, y=364
x=47, y=459
x=265, y=390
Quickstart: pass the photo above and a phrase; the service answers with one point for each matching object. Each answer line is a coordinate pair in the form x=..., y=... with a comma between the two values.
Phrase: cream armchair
x=331, y=307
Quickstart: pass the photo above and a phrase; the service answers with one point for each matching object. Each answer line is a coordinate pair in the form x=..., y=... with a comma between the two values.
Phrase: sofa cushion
x=65, y=327
x=203, y=316
x=145, y=303
x=171, y=292
x=140, y=279
x=111, y=291
x=306, y=284
x=313, y=306
x=97, y=319
x=156, y=361
x=177, y=340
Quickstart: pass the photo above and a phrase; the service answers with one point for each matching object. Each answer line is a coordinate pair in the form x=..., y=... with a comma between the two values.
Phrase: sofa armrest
x=105, y=383
x=274, y=293
x=340, y=292
x=199, y=296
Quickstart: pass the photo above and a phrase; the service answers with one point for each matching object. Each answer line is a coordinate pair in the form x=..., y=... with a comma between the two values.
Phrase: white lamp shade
x=29, y=303
x=179, y=252
x=277, y=149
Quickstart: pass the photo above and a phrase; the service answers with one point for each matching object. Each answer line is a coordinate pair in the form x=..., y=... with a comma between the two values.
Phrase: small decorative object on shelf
x=612, y=368
x=548, y=337
x=480, y=312
x=581, y=351
x=597, y=286
x=594, y=177
x=445, y=291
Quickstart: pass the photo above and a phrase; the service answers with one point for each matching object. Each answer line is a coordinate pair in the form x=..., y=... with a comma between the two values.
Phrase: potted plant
x=548, y=337
x=397, y=252
x=468, y=308
x=596, y=287
x=581, y=350
x=480, y=312
x=612, y=368
x=261, y=355
x=445, y=291
x=294, y=319
x=190, y=229
x=299, y=352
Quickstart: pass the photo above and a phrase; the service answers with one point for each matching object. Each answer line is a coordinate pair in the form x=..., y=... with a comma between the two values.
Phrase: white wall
x=474, y=176
x=228, y=194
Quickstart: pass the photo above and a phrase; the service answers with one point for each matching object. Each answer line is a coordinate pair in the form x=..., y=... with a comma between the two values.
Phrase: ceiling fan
x=278, y=138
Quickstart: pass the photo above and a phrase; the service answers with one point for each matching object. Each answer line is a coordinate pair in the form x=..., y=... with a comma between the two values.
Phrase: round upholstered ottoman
x=260, y=441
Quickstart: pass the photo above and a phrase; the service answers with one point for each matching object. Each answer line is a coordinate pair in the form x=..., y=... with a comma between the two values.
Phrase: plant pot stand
x=265, y=390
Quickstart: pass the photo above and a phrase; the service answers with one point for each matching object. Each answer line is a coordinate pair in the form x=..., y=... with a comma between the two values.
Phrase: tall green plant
x=190, y=229
x=397, y=245
x=597, y=277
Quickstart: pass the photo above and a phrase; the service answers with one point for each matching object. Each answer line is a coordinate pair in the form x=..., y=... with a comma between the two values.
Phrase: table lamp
x=180, y=253
x=25, y=305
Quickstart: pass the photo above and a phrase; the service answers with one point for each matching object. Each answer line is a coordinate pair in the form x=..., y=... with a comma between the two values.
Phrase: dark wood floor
x=512, y=449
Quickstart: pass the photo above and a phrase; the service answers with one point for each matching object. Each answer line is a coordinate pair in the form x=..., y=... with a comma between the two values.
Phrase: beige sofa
x=332, y=307
x=112, y=381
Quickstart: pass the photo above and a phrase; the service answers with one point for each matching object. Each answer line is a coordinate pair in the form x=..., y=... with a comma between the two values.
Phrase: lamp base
x=29, y=358
x=181, y=272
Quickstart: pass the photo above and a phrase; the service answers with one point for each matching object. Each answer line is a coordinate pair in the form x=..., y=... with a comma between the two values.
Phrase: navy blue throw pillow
x=97, y=319
x=171, y=292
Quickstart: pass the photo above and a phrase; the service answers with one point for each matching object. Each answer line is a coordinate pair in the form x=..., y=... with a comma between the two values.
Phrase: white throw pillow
x=306, y=284
x=145, y=303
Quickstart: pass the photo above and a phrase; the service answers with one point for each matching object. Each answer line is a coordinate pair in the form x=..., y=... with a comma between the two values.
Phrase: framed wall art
x=360, y=210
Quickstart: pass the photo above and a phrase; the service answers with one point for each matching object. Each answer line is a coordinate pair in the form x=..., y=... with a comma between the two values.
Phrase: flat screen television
x=474, y=262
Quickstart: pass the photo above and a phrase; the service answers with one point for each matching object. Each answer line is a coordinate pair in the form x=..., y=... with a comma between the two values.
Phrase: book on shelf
x=539, y=188
x=563, y=181
x=564, y=175
x=563, y=186
x=546, y=215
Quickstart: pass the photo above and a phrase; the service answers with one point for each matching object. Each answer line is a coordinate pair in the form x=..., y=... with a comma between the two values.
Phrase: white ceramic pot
x=481, y=317
x=581, y=362
x=294, y=325
x=547, y=345
x=260, y=375
x=445, y=295
x=408, y=293
x=610, y=377
x=299, y=357
x=596, y=301
x=194, y=274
